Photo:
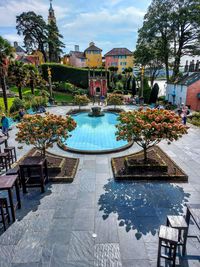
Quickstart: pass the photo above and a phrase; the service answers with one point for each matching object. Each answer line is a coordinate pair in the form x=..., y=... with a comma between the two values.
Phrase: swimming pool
x=94, y=134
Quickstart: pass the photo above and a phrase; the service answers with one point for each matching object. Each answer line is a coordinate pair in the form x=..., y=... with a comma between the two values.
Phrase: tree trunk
x=145, y=153
x=32, y=86
x=3, y=85
x=176, y=66
x=43, y=152
x=167, y=70
x=20, y=92
x=44, y=55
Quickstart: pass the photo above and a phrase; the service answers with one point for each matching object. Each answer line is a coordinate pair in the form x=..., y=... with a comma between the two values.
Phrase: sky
x=108, y=23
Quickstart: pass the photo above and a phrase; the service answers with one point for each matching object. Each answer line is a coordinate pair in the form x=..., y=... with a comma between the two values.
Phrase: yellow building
x=40, y=57
x=93, y=56
x=66, y=60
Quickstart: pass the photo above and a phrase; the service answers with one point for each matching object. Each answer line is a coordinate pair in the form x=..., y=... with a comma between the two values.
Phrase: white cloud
x=12, y=8
x=13, y=37
x=118, y=27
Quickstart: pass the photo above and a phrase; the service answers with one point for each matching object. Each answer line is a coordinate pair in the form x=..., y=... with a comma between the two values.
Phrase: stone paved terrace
x=97, y=222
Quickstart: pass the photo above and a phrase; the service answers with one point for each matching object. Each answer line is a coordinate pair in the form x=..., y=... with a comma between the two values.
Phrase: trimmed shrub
x=154, y=94
x=64, y=87
x=115, y=99
x=80, y=92
x=38, y=101
x=16, y=105
x=81, y=100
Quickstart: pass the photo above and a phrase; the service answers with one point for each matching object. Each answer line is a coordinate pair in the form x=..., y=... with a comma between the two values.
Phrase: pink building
x=98, y=83
x=77, y=59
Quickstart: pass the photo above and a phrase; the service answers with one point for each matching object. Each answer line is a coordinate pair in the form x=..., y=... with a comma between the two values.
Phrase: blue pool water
x=94, y=133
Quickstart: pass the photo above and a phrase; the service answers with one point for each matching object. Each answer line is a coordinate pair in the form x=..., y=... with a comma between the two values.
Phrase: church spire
x=51, y=16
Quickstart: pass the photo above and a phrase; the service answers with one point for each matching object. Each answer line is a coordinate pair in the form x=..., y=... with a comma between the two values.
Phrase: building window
x=114, y=64
x=121, y=57
x=123, y=63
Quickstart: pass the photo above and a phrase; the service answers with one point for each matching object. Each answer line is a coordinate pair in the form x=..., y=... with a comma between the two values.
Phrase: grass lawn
x=63, y=97
x=25, y=90
x=10, y=100
x=59, y=97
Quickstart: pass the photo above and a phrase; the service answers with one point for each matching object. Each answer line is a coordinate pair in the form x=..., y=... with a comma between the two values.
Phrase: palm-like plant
x=19, y=74
x=34, y=78
x=6, y=52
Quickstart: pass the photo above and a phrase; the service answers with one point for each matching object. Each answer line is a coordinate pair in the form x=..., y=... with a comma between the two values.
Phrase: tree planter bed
x=132, y=167
x=60, y=169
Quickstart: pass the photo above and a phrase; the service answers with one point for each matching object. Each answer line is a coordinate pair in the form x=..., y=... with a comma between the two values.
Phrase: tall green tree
x=149, y=56
x=6, y=52
x=34, y=30
x=18, y=73
x=175, y=24
x=54, y=42
x=186, y=30
x=156, y=32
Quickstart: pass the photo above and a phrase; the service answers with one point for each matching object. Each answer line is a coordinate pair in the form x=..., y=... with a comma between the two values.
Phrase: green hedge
x=62, y=73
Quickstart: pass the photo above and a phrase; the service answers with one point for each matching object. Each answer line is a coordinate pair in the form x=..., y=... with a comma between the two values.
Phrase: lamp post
x=50, y=83
x=142, y=86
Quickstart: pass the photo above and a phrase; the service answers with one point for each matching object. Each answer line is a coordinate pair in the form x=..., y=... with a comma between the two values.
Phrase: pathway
x=97, y=222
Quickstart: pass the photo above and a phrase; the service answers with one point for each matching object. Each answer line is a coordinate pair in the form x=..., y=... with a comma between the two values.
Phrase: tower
x=51, y=16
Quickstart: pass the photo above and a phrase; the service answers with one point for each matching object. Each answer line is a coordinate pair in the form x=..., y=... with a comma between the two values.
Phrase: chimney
x=197, y=66
x=76, y=48
x=186, y=66
x=91, y=43
x=15, y=44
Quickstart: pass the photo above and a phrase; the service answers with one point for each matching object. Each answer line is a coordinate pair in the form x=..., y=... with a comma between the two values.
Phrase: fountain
x=96, y=112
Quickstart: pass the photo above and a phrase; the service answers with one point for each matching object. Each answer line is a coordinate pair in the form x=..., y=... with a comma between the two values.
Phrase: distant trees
x=54, y=43
x=38, y=35
x=34, y=30
x=6, y=52
x=171, y=29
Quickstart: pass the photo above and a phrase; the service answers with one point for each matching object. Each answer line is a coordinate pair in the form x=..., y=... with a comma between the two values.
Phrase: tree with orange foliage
x=148, y=127
x=43, y=131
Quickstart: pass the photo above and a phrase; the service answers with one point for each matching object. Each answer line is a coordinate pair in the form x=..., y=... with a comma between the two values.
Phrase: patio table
x=7, y=183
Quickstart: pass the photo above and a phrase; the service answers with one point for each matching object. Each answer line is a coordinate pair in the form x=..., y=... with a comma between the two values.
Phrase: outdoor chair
x=181, y=225
x=12, y=153
x=15, y=171
x=168, y=239
x=4, y=212
x=5, y=161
